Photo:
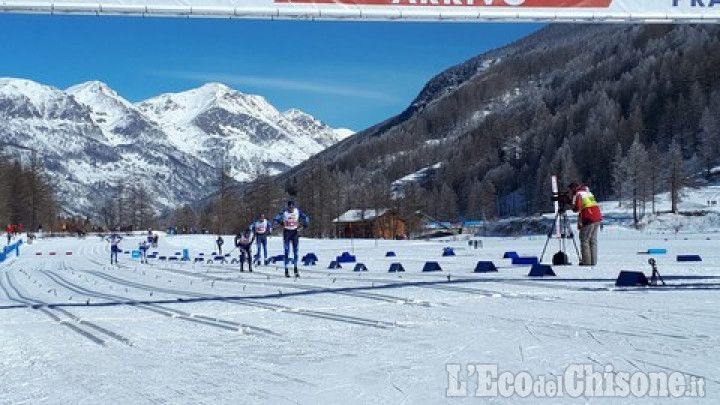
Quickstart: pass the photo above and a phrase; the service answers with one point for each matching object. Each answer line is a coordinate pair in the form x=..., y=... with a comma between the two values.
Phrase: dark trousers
x=114, y=254
x=291, y=236
x=245, y=255
x=262, y=243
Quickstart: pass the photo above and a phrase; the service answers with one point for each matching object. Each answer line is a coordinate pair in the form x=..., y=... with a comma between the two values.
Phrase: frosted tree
x=636, y=175
x=655, y=173
x=185, y=218
x=488, y=200
x=109, y=214
x=676, y=175
x=619, y=173
x=143, y=204
x=473, y=208
x=4, y=193
x=40, y=195
x=709, y=144
x=448, y=204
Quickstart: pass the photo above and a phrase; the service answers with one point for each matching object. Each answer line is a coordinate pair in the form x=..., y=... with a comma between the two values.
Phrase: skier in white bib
x=262, y=228
x=114, y=240
x=291, y=219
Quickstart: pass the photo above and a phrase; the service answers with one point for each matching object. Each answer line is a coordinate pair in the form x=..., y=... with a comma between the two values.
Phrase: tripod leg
x=659, y=277
x=544, y=248
x=552, y=231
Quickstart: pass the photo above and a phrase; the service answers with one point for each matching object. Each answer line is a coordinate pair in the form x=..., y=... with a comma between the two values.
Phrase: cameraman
x=589, y=219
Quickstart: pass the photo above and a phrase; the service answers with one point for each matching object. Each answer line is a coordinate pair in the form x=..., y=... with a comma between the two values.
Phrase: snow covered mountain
x=214, y=118
x=90, y=139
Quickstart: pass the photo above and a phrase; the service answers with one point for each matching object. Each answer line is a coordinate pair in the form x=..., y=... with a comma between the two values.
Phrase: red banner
x=465, y=3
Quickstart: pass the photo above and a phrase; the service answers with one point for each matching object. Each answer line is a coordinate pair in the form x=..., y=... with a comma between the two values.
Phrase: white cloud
x=283, y=83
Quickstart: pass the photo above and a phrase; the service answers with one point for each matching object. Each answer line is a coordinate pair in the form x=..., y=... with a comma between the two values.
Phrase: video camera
x=564, y=200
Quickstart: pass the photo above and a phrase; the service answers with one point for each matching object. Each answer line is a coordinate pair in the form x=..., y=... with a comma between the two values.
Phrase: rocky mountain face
x=91, y=140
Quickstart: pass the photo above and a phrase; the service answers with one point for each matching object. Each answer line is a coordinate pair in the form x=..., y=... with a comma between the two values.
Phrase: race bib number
x=291, y=220
x=262, y=227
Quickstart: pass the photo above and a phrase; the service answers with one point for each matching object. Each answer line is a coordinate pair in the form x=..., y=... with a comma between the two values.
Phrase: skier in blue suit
x=114, y=240
x=262, y=228
x=291, y=219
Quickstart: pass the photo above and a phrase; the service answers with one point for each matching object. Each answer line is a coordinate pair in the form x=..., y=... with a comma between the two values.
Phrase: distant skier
x=9, y=231
x=244, y=241
x=114, y=240
x=291, y=219
x=262, y=229
x=143, y=251
x=219, y=242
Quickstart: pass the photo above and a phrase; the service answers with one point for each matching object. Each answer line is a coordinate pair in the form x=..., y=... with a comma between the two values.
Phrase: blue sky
x=348, y=74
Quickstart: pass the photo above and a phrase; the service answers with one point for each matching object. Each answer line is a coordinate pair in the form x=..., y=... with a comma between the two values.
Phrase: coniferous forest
x=628, y=110
x=26, y=196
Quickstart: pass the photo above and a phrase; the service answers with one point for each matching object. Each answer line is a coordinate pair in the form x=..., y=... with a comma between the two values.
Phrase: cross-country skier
x=219, y=242
x=143, y=251
x=262, y=229
x=291, y=219
x=114, y=241
x=244, y=241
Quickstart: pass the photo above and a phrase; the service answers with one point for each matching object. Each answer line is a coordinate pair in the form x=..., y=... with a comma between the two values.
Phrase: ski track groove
x=247, y=302
x=298, y=286
x=252, y=303
x=35, y=304
x=515, y=294
x=381, y=297
x=159, y=309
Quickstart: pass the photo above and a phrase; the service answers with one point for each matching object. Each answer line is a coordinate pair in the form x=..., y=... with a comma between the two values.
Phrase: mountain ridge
x=568, y=99
x=92, y=140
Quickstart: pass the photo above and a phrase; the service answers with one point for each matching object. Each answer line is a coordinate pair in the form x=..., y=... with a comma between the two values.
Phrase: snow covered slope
x=90, y=139
x=75, y=330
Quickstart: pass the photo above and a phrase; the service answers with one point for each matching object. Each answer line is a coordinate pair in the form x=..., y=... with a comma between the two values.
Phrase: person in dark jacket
x=589, y=220
x=219, y=241
x=244, y=241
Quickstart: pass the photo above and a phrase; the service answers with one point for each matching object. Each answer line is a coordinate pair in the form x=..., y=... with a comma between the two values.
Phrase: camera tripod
x=561, y=226
x=655, y=273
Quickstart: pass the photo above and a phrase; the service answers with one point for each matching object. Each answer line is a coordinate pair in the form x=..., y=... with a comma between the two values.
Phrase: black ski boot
x=296, y=272
x=287, y=274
